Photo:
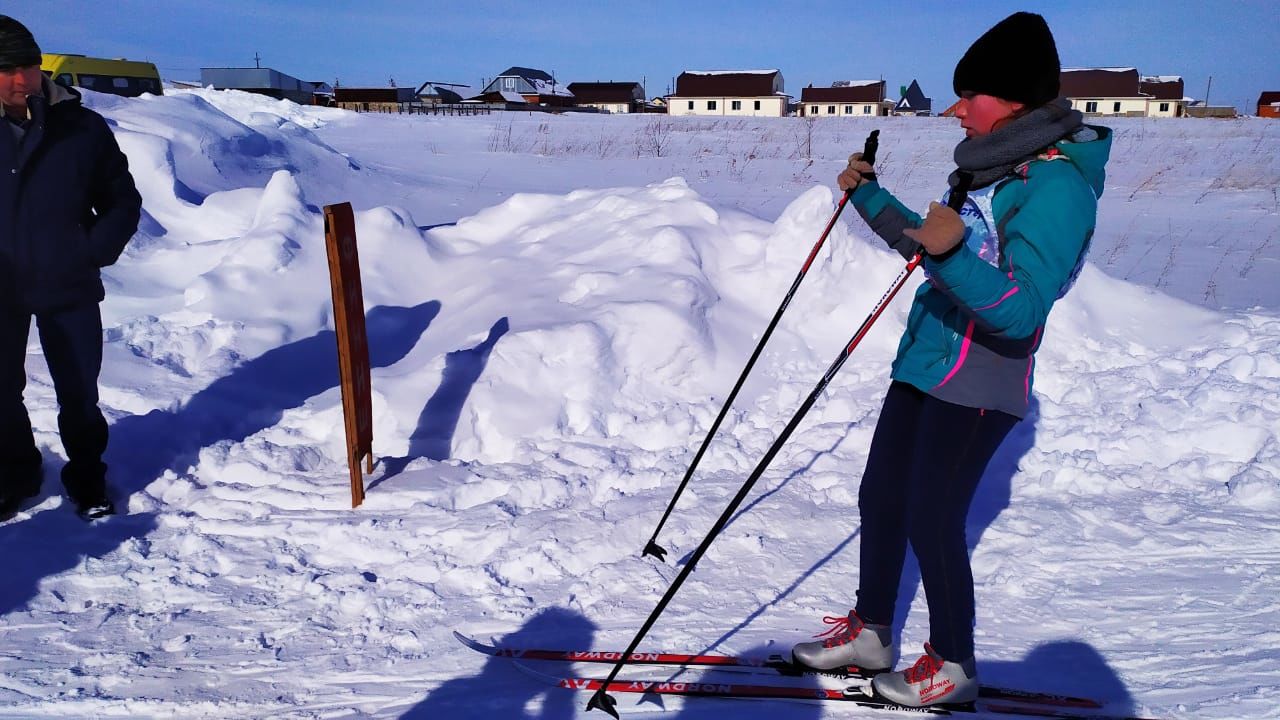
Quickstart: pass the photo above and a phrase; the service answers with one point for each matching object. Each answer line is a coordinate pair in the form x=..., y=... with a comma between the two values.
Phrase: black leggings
x=926, y=459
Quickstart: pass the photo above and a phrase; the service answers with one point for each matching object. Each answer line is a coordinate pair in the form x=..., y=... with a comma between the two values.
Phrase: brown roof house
x=729, y=92
x=1118, y=91
x=610, y=97
x=1167, y=95
x=1269, y=105
x=520, y=86
x=845, y=98
x=1121, y=91
x=375, y=99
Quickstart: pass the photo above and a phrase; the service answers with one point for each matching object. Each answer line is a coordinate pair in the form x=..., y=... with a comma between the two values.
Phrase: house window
x=1116, y=108
x=866, y=109
x=711, y=104
x=757, y=104
x=509, y=84
x=735, y=105
x=848, y=109
x=831, y=109
x=690, y=104
x=1164, y=107
x=1091, y=106
x=813, y=109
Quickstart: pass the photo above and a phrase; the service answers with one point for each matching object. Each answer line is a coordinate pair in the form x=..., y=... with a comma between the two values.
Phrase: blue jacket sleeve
x=1043, y=240
x=887, y=217
x=117, y=206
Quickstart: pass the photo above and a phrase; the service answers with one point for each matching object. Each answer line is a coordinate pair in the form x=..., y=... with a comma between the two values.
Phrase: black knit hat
x=1016, y=60
x=18, y=46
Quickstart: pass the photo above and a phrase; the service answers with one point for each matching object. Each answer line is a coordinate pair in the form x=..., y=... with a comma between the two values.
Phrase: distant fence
x=425, y=109
x=416, y=108
x=1212, y=111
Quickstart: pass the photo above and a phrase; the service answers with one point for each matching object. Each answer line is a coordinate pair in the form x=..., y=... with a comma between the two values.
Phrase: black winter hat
x=18, y=46
x=1016, y=60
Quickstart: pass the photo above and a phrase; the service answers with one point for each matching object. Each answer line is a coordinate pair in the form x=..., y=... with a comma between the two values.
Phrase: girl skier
x=963, y=373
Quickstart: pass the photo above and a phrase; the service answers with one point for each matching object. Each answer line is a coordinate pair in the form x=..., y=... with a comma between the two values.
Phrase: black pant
x=72, y=342
x=926, y=459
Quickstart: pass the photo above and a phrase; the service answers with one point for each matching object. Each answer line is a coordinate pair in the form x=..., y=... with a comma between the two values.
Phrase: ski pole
x=601, y=699
x=652, y=547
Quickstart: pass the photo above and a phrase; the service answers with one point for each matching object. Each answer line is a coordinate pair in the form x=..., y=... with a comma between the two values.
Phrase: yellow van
x=129, y=78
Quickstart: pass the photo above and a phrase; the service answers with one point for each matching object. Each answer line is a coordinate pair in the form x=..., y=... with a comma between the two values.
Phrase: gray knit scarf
x=991, y=157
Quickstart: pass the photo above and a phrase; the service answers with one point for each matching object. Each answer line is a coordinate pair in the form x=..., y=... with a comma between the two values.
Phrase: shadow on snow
x=432, y=438
x=252, y=397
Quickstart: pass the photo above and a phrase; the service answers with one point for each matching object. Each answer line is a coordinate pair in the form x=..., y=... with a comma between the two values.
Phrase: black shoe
x=10, y=504
x=91, y=499
x=86, y=485
x=94, y=509
x=12, y=498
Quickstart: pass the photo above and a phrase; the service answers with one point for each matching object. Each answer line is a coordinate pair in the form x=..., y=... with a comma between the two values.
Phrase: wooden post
x=353, y=341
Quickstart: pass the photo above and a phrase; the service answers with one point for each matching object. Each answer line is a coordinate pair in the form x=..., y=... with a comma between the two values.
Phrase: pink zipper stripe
x=1006, y=296
x=964, y=352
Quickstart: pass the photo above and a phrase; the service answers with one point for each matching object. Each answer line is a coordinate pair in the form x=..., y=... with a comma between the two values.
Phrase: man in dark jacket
x=68, y=206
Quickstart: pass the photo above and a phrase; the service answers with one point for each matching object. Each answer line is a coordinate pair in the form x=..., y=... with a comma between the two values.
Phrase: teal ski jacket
x=976, y=324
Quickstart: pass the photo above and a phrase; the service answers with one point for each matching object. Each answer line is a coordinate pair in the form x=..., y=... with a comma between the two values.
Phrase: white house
x=1166, y=95
x=729, y=92
x=1120, y=91
x=845, y=98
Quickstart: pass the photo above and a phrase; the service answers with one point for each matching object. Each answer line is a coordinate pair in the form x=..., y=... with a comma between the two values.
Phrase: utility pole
x=257, y=60
x=1206, y=91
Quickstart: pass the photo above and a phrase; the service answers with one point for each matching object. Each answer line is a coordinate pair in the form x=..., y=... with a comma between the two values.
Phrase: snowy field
x=556, y=307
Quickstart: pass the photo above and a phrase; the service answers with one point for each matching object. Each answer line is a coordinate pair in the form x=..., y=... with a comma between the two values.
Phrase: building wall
x=857, y=109
x=1216, y=111
x=1172, y=108
x=615, y=108
x=1108, y=106
x=1268, y=111
x=382, y=107
x=510, y=83
x=772, y=106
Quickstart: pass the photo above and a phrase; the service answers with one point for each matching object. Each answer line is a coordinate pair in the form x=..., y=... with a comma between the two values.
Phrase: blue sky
x=370, y=42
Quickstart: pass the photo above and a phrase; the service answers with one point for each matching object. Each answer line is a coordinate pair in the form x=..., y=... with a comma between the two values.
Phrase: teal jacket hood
x=1090, y=157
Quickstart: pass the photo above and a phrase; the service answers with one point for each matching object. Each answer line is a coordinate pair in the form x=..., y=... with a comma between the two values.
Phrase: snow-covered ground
x=556, y=307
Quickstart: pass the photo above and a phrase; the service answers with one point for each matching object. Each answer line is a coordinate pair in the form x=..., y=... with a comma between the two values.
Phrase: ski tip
x=602, y=701
x=474, y=644
x=656, y=550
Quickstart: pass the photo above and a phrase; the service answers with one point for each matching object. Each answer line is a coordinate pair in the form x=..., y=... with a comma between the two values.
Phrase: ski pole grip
x=869, y=152
x=955, y=200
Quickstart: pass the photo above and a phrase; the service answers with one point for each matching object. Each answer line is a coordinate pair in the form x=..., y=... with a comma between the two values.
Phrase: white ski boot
x=931, y=681
x=850, y=642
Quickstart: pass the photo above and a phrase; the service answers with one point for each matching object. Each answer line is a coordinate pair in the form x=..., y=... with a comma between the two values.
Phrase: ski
x=773, y=665
x=855, y=695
